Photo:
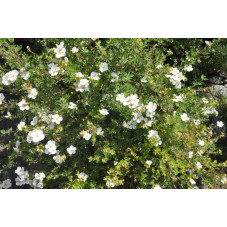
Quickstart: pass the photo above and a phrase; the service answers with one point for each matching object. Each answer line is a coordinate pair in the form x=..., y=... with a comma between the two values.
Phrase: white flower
x=72, y=106
x=25, y=75
x=154, y=134
x=60, y=50
x=37, y=135
x=201, y=143
x=10, y=77
x=19, y=171
x=94, y=76
x=205, y=100
x=144, y=79
x=50, y=147
x=196, y=122
x=184, y=117
x=138, y=117
x=103, y=67
x=114, y=77
x=208, y=43
x=40, y=176
x=8, y=115
x=188, y=68
x=32, y=93
x=23, y=105
x=2, y=97
x=149, y=162
x=151, y=106
x=53, y=69
x=200, y=152
x=29, y=137
x=104, y=112
x=120, y=97
x=157, y=187
x=56, y=119
x=99, y=131
x=198, y=165
x=110, y=184
x=83, y=176
x=159, y=66
x=79, y=75
x=6, y=184
x=71, y=150
x=192, y=181
x=86, y=135
x=190, y=154
x=21, y=125
x=34, y=121
x=75, y=50
x=178, y=98
x=83, y=85
x=58, y=159
x=220, y=124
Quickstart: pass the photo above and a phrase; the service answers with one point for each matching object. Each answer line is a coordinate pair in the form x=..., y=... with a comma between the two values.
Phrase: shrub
x=106, y=113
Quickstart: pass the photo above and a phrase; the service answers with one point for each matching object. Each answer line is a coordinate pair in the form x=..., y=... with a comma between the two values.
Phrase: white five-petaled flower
x=6, y=184
x=50, y=147
x=58, y=158
x=79, y=75
x=110, y=184
x=220, y=124
x=188, y=68
x=159, y=66
x=34, y=121
x=53, y=69
x=104, y=112
x=192, y=181
x=178, y=98
x=94, y=76
x=83, y=176
x=100, y=131
x=72, y=106
x=56, y=119
x=120, y=97
x=37, y=135
x=19, y=171
x=114, y=77
x=196, y=122
x=157, y=187
x=40, y=176
x=25, y=75
x=184, y=117
x=21, y=125
x=190, y=154
x=23, y=105
x=205, y=100
x=198, y=165
x=86, y=135
x=151, y=106
x=144, y=79
x=32, y=93
x=2, y=97
x=148, y=162
x=201, y=143
x=103, y=67
x=75, y=50
x=60, y=50
x=71, y=150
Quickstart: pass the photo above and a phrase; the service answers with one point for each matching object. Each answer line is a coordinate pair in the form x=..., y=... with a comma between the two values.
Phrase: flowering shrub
x=105, y=114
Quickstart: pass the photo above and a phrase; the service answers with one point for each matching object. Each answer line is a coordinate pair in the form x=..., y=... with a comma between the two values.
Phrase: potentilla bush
x=105, y=113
